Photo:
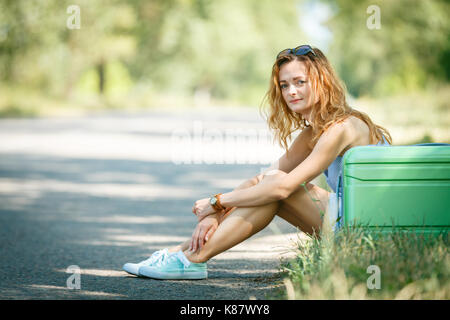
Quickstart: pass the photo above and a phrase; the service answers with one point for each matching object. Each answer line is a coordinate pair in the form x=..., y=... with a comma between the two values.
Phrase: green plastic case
x=403, y=186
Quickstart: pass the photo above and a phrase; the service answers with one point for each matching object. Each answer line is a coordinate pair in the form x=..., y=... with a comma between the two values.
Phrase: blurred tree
x=106, y=36
x=38, y=49
x=225, y=48
x=22, y=31
x=409, y=52
x=222, y=47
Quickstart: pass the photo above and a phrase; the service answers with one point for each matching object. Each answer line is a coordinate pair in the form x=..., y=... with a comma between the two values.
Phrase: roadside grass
x=337, y=265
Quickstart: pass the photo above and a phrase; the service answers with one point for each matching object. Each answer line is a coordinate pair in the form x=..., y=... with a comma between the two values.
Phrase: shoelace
x=183, y=259
x=156, y=257
x=174, y=256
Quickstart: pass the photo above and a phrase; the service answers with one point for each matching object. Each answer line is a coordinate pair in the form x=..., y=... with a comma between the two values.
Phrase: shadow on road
x=99, y=214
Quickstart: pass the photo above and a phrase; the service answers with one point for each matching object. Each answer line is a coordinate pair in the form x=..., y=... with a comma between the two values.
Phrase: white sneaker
x=175, y=267
x=157, y=256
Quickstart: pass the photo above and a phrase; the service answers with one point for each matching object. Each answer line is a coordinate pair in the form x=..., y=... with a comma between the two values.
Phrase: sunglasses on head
x=298, y=51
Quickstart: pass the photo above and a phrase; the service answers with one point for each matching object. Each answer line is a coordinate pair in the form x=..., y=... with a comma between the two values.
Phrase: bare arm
x=298, y=152
x=250, y=190
x=244, y=185
x=254, y=192
x=328, y=147
x=280, y=185
x=248, y=183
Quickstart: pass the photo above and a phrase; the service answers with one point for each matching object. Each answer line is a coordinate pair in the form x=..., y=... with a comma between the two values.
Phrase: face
x=296, y=87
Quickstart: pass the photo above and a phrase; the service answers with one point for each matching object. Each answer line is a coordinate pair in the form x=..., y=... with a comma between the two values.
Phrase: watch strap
x=218, y=206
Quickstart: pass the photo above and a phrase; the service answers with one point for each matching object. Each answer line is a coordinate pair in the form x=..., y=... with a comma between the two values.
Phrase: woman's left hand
x=204, y=230
x=202, y=208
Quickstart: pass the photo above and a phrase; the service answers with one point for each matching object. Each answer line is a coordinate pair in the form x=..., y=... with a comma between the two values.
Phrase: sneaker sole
x=150, y=273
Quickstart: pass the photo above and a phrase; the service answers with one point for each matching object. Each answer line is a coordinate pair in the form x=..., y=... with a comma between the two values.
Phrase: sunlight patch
x=82, y=292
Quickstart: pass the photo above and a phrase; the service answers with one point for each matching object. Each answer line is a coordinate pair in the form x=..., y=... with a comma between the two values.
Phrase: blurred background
x=136, y=55
x=116, y=116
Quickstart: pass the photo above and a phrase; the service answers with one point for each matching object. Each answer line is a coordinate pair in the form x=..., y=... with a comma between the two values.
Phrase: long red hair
x=331, y=107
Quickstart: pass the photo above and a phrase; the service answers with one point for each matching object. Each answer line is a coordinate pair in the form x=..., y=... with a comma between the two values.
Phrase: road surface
x=99, y=191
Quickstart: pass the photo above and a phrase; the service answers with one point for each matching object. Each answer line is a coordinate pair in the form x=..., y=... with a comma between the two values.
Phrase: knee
x=269, y=174
x=274, y=172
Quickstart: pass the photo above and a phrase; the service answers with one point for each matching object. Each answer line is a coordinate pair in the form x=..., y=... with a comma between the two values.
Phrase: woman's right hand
x=204, y=230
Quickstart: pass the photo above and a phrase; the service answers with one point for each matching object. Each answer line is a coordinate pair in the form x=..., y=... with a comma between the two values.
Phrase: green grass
x=412, y=266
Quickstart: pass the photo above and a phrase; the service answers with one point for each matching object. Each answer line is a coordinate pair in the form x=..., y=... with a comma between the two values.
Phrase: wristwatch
x=215, y=202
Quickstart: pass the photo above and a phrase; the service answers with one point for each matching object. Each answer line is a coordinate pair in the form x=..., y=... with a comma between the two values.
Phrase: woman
x=304, y=94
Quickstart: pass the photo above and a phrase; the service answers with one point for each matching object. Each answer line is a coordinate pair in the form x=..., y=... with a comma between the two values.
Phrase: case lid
x=398, y=154
x=397, y=163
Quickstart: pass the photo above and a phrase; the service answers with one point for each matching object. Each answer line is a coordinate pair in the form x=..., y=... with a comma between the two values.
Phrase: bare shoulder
x=357, y=132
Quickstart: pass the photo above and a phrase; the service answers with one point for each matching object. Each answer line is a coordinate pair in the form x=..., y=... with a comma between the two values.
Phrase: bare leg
x=304, y=213
x=241, y=223
x=183, y=246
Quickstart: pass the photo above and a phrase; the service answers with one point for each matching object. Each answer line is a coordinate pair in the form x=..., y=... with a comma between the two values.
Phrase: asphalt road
x=99, y=191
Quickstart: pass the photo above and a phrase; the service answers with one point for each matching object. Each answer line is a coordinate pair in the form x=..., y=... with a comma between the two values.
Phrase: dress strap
x=384, y=142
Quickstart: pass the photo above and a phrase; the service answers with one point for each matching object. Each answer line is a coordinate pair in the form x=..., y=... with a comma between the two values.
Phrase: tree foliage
x=410, y=51
x=224, y=47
